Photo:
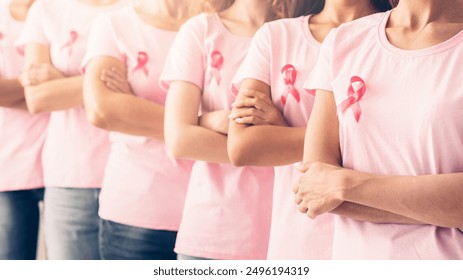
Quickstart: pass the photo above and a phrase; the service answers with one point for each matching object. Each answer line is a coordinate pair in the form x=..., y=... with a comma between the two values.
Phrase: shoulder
x=286, y=23
x=198, y=22
x=359, y=28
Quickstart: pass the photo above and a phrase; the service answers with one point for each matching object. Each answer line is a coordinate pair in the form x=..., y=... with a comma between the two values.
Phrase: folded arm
x=316, y=191
x=258, y=133
x=57, y=93
x=116, y=110
x=185, y=137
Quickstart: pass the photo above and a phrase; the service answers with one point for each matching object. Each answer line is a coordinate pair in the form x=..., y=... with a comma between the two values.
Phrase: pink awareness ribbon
x=289, y=75
x=142, y=60
x=216, y=65
x=355, y=93
x=73, y=35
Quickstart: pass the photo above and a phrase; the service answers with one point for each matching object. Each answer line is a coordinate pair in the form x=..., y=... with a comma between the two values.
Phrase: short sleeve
x=186, y=58
x=320, y=78
x=34, y=28
x=256, y=65
x=102, y=41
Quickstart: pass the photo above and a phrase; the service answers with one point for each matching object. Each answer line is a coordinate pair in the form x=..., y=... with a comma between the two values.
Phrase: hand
x=115, y=80
x=256, y=108
x=39, y=73
x=319, y=189
x=217, y=121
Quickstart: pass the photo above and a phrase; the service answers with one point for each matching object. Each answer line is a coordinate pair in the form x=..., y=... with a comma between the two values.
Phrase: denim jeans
x=71, y=223
x=123, y=242
x=19, y=224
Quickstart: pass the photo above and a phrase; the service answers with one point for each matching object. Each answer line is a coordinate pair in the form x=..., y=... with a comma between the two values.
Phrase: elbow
x=35, y=105
x=176, y=144
x=97, y=116
x=238, y=153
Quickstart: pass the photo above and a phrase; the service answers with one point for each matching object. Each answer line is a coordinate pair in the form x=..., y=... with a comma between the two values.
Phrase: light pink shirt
x=228, y=209
x=21, y=134
x=143, y=185
x=410, y=124
x=75, y=152
x=282, y=55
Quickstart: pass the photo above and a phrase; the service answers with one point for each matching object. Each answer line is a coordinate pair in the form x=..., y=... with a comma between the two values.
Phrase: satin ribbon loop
x=216, y=64
x=355, y=93
x=73, y=36
x=142, y=60
x=289, y=74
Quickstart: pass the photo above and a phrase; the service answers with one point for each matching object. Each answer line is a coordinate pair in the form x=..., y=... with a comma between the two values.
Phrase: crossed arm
x=111, y=105
x=46, y=89
x=12, y=94
x=326, y=187
x=258, y=132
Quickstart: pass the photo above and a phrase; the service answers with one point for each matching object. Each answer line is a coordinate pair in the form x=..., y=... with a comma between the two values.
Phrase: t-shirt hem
x=23, y=188
x=138, y=223
x=215, y=255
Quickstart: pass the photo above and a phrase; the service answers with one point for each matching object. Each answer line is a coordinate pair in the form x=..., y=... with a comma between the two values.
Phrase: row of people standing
x=213, y=65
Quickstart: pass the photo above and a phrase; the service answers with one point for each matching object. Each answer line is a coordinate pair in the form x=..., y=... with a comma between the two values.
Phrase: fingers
x=246, y=112
x=303, y=166
x=251, y=120
x=114, y=80
x=113, y=74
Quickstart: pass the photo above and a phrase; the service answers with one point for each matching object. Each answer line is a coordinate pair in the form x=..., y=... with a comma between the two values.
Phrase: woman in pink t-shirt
x=270, y=84
x=21, y=140
x=227, y=209
x=74, y=153
x=386, y=132
x=144, y=188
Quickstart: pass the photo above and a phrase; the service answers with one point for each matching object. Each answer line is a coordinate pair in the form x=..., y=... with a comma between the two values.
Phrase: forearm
x=368, y=214
x=55, y=95
x=198, y=143
x=216, y=121
x=433, y=199
x=265, y=145
x=132, y=115
x=11, y=93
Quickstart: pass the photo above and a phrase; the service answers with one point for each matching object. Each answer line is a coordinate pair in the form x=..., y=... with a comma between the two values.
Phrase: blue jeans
x=123, y=242
x=19, y=224
x=71, y=223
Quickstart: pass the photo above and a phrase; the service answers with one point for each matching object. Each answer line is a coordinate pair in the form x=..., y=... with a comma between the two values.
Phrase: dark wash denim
x=123, y=242
x=19, y=224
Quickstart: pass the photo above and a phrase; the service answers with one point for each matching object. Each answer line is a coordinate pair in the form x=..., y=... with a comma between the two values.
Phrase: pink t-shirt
x=75, y=152
x=407, y=121
x=143, y=185
x=282, y=55
x=21, y=134
x=228, y=209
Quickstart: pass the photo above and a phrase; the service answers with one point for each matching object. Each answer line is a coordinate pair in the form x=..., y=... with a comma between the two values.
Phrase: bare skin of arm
x=117, y=110
x=258, y=133
x=185, y=138
x=322, y=146
x=48, y=96
x=12, y=94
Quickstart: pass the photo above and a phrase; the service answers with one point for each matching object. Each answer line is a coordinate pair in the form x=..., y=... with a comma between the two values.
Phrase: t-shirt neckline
x=385, y=43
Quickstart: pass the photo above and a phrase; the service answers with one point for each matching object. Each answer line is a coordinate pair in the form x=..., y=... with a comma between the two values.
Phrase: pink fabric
x=411, y=124
x=228, y=209
x=282, y=55
x=143, y=186
x=21, y=134
x=75, y=152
